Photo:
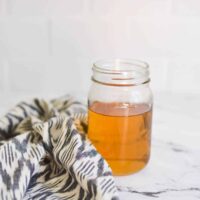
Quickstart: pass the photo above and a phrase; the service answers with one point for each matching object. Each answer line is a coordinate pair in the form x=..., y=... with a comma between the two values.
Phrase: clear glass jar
x=120, y=113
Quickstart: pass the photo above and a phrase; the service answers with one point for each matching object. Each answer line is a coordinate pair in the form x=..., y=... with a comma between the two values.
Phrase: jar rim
x=116, y=66
x=121, y=72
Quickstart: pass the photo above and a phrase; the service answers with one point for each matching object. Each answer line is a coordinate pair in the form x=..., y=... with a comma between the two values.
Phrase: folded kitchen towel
x=44, y=154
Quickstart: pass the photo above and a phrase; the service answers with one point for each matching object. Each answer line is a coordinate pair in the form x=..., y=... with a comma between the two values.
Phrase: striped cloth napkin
x=44, y=154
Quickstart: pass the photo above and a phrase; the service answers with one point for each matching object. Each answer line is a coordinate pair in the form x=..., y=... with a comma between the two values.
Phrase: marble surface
x=173, y=172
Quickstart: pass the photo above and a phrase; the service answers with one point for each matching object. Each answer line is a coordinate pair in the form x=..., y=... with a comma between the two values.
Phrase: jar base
x=123, y=168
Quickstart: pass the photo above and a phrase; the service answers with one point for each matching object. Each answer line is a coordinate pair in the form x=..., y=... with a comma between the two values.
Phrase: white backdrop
x=47, y=46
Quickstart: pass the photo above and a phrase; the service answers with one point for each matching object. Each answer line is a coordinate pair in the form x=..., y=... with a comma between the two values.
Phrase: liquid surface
x=121, y=132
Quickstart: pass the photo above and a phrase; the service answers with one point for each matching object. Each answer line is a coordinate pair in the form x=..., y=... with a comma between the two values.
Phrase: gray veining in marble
x=173, y=172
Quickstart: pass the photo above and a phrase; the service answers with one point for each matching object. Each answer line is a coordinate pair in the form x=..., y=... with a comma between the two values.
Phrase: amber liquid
x=121, y=132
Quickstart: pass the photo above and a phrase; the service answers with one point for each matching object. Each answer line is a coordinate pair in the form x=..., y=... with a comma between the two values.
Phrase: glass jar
x=120, y=113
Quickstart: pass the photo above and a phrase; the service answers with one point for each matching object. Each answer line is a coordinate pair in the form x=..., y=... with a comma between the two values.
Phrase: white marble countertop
x=173, y=172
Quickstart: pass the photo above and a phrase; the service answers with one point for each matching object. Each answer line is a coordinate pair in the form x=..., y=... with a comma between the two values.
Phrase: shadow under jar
x=120, y=114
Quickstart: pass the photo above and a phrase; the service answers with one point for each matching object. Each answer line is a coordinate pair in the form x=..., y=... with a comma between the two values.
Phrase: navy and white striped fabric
x=44, y=154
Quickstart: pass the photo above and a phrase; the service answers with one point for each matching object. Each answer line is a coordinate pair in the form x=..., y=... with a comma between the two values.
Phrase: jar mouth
x=120, y=65
x=121, y=72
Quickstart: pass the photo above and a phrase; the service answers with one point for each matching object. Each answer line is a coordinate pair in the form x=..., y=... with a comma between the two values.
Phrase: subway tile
x=169, y=37
x=2, y=7
x=24, y=37
x=51, y=76
x=98, y=38
x=129, y=7
x=67, y=75
x=27, y=8
x=66, y=7
x=184, y=37
x=158, y=73
x=129, y=39
x=102, y=7
x=54, y=76
x=26, y=76
x=85, y=70
x=45, y=7
x=184, y=75
x=2, y=75
x=62, y=76
x=78, y=37
x=147, y=37
x=142, y=7
x=81, y=7
x=185, y=8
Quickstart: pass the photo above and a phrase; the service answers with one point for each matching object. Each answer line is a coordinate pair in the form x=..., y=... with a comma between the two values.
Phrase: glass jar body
x=119, y=124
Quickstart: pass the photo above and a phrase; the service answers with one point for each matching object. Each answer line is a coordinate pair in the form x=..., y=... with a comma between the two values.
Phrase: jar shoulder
x=133, y=94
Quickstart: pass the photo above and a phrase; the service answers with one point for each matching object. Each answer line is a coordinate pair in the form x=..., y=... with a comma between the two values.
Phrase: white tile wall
x=184, y=75
x=48, y=46
x=46, y=7
x=24, y=37
x=186, y=8
x=63, y=8
x=23, y=73
x=128, y=7
x=2, y=7
x=5, y=82
x=64, y=75
x=2, y=76
x=27, y=8
x=184, y=40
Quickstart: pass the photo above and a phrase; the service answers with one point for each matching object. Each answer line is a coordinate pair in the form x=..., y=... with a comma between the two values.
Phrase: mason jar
x=120, y=113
